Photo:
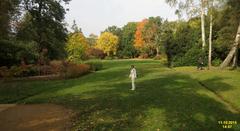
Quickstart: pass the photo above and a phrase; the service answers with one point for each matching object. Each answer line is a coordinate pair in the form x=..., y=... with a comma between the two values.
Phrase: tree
x=126, y=42
x=152, y=34
x=211, y=4
x=192, y=7
x=76, y=46
x=92, y=40
x=75, y=28
x=139, y=42
x=108, y=43
x=203, y=2
x=47, y=25
x=181, y=41
x=14, y=52
x=93, y=53
x=210, y=8
x=8, y=9
x=233, y=54
x=227, y=25
x=114, y=30
x=168, y=31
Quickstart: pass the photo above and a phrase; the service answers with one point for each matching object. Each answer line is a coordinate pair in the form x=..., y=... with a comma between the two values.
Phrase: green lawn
x=165, y=99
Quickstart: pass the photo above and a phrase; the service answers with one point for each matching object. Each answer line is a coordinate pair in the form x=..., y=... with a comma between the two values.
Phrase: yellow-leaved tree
x=76, y=46
x=108, y=43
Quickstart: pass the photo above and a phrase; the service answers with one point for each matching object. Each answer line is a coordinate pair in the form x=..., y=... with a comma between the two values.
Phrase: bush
x=4, y=72
x=56, y=66
x=45, y=70
x=93, y=53
x=109, y=58
x=12, y=52
x=71, y=70
x=216, y=62
x=76, y=47
x=160, y=57
x=23, y=71
x=126, y=57
x=190, y=58
x=143, y=56
x=32, y=70
x=95, y=65
x=65, y=69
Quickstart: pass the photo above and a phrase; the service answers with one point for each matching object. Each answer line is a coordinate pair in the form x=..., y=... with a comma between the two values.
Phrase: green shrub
x=190, y=58
x=18, y=71
x=23, y=71
x=126, y=57
x=108, y=58
x=95, y=65
x=216, y=62
x=164, y=61
x=31, y=70
x=157, y=57
x=160, y=57
x=12, y=52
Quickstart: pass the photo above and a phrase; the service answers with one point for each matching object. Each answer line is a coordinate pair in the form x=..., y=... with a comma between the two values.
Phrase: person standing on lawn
x=133, y=76
x=200, y=63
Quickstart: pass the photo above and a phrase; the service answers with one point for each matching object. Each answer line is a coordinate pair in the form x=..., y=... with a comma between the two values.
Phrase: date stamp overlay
x=228, y=124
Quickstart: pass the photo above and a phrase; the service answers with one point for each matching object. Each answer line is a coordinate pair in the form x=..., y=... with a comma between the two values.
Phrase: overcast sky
x=93, y=16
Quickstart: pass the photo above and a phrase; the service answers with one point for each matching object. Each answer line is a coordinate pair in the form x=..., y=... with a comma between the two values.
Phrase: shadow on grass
x=18, y=91
x=216, y=85
x=170, y=102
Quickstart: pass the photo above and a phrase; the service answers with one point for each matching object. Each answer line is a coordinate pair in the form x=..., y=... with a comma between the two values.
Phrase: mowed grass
x=165, y=99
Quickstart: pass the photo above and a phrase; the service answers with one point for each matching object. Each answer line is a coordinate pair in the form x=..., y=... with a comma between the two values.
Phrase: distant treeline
x=33, y=31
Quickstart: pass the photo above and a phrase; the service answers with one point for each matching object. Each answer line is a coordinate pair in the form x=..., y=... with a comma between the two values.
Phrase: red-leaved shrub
x=56, y=66
x=71, y=70
x=143, y=56
x=63, y=68
x=4, y=71
x=92, y=53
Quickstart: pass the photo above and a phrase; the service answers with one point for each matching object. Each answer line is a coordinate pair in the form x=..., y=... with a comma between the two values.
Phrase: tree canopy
x=108, y=43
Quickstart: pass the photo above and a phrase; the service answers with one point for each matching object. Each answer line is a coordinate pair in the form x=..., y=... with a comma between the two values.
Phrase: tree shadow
x=170, y=102
x=216, y=84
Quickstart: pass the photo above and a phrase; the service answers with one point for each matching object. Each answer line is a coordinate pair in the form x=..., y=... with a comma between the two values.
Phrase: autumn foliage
x=76, y=46
x=139, y=42
x=108, y=43
x=72, y=70
x=94, y=53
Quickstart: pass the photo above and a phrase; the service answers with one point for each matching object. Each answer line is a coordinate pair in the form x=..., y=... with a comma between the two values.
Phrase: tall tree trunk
x=235, y=59
x=233, y=52
x=210, y=37
x=157, y=50
x=203, y=24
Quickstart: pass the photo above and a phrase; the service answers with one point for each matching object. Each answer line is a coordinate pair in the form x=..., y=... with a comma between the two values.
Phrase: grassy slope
x=225, y=82
x=165, y=99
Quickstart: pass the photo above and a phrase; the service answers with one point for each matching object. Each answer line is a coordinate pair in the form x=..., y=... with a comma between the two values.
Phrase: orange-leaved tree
x=139, y=42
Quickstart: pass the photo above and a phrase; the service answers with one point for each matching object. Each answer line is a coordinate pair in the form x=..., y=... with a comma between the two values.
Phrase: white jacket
x=133, y=73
